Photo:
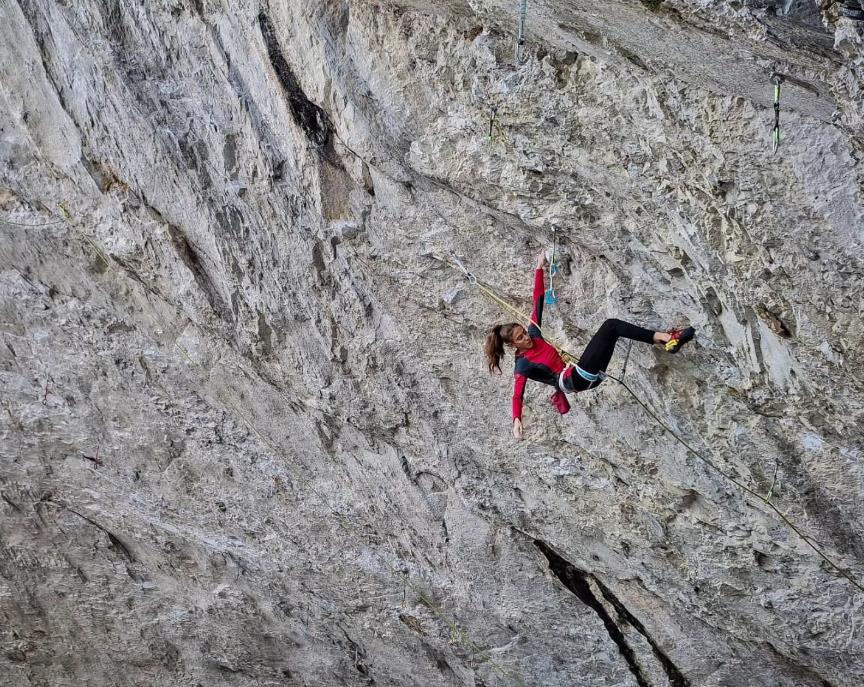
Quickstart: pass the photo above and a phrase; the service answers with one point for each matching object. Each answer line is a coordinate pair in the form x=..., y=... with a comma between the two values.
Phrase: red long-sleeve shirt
x=541, y=362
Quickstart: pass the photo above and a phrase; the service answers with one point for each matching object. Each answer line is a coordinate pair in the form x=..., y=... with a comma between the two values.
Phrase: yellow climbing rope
x=566, y=356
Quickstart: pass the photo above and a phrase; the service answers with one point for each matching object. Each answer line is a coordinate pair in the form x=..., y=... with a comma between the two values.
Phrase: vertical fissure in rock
x=676, y=678
x=806, y=672
x=576, y=581
x=190, y=257
x=307, y=115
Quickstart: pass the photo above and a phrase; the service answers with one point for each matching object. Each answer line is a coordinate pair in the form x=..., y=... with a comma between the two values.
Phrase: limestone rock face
x=247, y=434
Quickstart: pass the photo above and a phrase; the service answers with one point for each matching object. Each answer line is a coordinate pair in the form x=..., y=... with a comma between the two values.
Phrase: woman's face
x=520, y=339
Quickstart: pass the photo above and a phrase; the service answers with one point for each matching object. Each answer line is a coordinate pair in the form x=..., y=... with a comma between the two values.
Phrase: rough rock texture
x=247, y=437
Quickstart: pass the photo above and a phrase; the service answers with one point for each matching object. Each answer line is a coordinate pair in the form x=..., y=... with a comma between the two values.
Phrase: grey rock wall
x=247, y=435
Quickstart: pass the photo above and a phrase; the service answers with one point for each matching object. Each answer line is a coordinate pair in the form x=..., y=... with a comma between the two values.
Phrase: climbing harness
x=776, y=79
x=589, y=377
x=569, y=358
x=551, y=296
x=520, y=40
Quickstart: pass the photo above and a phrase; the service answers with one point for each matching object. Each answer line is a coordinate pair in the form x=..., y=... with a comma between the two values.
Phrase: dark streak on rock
x=307, y=115
x=633, y=58
x=577, y=581
x=660, y=8
x=406, y=468
x=116, y=542
x=10, y=502
x=189, y=257
x=676, y=678
x=359, y=659
x=806, y=671
x=132, y=274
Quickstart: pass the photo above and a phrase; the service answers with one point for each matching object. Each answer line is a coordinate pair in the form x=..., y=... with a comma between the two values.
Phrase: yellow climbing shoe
x=679, y=338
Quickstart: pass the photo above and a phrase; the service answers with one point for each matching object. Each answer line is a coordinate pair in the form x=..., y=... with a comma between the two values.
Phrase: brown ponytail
x=494, y=346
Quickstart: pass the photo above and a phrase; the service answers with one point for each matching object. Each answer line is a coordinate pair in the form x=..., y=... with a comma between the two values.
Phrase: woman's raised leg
x=599, y=350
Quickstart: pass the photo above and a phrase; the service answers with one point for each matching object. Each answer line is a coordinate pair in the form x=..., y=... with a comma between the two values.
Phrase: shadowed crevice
x=307, y=115
x=676, y=679
x=577, y=581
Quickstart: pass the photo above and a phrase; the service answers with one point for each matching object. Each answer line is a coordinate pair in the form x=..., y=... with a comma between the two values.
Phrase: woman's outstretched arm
x=518, y=394
x=538, y=297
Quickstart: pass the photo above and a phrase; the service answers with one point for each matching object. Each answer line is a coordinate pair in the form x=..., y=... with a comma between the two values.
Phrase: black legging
x=599, y=350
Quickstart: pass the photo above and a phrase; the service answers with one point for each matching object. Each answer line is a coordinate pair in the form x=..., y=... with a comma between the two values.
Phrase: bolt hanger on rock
x=493, y=125
x=551, y=294
x=776, y=79
x=520, y=39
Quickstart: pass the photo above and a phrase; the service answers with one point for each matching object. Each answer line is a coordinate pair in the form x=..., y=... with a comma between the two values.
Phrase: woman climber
x=536, y=359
